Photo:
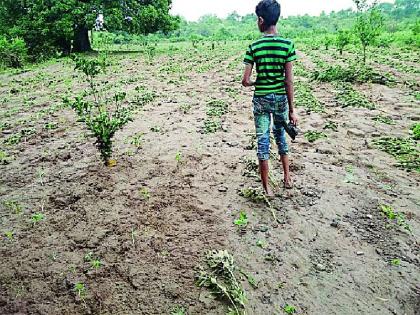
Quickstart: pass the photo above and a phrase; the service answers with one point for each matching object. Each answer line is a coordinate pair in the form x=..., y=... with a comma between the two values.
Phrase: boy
x=274, y=92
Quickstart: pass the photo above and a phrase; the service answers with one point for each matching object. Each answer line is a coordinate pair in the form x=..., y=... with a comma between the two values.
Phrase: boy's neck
x=272, y=30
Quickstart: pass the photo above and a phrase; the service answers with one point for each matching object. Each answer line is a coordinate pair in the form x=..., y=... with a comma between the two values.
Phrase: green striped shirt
x=270, y=54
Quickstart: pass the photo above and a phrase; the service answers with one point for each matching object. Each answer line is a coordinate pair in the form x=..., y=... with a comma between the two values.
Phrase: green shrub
x=13, y=53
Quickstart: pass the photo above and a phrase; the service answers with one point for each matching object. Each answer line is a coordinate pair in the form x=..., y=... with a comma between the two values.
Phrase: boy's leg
x=262, y=127
x=280, y=119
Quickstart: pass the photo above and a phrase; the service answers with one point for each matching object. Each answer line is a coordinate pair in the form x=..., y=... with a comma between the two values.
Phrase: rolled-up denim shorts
x=271, y=109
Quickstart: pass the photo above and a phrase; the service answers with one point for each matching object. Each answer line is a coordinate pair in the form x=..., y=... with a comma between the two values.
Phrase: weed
x=253, y=194
x=9, y=235
x=51, y=126
x=4, y=158
x=349, y=97
x=220, y=278
x=145, y=193
x=211, y=125
x=217, y=108
x=178, y=310
x=178, y=157
x=396, y=262
x=13, y=206
x=306, y=99
x=384, y=120
x=314, y=135
x=36, y=218
x=242, y=222
x=416, y=131
x=137, y=140
x=96, y=264
x=397, y=217
x=331, y=125
x=404, y=150
x=289, y=309
x=251, y=280
x=80, y=289
x=185, y=108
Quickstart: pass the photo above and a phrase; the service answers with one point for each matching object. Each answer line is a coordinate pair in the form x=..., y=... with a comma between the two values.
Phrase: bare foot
x=269, y=193
x=288, y=183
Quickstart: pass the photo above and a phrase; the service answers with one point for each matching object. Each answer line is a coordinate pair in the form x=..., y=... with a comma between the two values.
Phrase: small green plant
x=103, y=116
x=96, y=264
x=242, y=222
x=384, y=120
x=262, y=244
x=347, y=96
x=13, y=206
x=145, y=193
x=343, y=40
x=396, y=262
x=306, y=99
x=212, y=125
x=37, y=217
x=253, y=194
x=331, y=125
x=80, y=289
x=415, y=129
x=220, y=278
x=217, y=108
x=178, y=310
x=137, y=140
x=251, y=280
x=9, y=235
x=314, y=135
x=178, y=157
x=404, y=150
x=289, y=309
x=185, y=108
x=4, y=158
x=397, y=217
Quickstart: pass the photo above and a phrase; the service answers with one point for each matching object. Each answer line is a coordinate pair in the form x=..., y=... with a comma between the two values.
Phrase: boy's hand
x=293, y=118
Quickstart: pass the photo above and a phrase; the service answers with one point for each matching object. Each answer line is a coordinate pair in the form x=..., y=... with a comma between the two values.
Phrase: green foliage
x=178, y=310
x=416, y=131
x=384, y=119
x=306, y=99
x=13, y=53
x=347, y=96
x=37, y=217
x=212, y=125
x=314, y=135
x=80, y=289
x=343, y=39
x=404, y=150
x=220, y=278
x=242, y=221
x=217, y=108
x=101, y=117
x=289, y=309
x=394, y=216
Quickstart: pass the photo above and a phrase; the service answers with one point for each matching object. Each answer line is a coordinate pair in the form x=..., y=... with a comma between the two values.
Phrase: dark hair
x=270, y=11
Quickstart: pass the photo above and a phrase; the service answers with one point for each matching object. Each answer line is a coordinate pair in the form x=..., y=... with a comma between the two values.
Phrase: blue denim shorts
x=271, y=109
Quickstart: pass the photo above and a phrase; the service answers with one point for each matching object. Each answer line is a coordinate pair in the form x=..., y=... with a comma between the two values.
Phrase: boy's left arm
x=246, y=79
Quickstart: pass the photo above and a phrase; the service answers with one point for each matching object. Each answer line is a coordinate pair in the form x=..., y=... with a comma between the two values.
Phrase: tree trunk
x=81, y=41
x=364, y=54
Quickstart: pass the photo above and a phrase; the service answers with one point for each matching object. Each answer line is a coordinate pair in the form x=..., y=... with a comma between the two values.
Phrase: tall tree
x=49, y=24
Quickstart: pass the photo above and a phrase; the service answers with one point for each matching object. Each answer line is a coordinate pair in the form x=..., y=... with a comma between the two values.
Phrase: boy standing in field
x=274, y=92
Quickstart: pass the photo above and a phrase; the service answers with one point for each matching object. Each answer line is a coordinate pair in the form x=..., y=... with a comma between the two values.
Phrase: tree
x=48, y=25
x=369, y=23
x=343, y=39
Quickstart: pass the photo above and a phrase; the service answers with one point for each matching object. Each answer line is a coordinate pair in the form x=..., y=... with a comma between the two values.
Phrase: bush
x=13, y=53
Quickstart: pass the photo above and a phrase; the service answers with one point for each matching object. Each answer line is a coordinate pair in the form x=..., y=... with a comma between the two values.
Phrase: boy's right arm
x=290, y=91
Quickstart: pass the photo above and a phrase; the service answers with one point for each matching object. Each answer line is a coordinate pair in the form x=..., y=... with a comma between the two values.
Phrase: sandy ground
x=329, y=252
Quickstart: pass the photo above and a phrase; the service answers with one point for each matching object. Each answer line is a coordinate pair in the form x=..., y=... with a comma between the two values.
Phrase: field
x=78, y=237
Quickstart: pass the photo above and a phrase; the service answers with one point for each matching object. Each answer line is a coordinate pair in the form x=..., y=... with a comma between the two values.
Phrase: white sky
x=193, y=9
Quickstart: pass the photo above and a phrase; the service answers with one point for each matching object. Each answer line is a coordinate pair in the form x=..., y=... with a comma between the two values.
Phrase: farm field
x=79, y=237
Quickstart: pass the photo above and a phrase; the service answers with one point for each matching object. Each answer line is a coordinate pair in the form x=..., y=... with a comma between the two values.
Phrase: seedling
x=9, y=235
x=217, y=108
x=242, y=222
x=289, y=309
x=88, y=257
x=96, y=264
x=36, y=218
x=391, y=214
x=396, y=262
x=185, y=108
x=262, y=244
x=178, y=310
x=145, y=193
x=178, y=157
x=384, y=119
x=314, y=135
x=4, y=158
x=80, y=289
x=331, y=125
x=416, y=131
x=211, y=125
x=137, y=140
x=13, y=206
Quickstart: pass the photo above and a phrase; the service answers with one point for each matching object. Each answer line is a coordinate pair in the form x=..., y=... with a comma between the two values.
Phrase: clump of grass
x=404, y=150
x=349, y=97
x=217, y=108
x=13, y=206
x=416, y=131
x=331, y=125
x=220, y=278
x=9, y=235
x=4, y=158
x=178, y=310
x=306, y=99
x=36, y=218
x=396, y=262
x=185, y=108
x=384, y=120
x=314, y=135
x=212, y=125
x=394, y=216
x=289, y=309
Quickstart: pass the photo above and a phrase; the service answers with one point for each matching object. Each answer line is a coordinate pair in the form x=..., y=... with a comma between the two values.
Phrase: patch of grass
x=242, y=222
x=416, y=131
x=314, y=135
x=178, y=310
x=4, y=158
x=13, y=206
x=217, y=108
x=137, y=140
x=212, y=125
x=349, y=97
x=384, y=120
x=9, y=235
x=185, y=108
x=144, y=193
x=220, y=278
x=331, y=125
x=404, y=150
x=37, y=217
x=394, y=216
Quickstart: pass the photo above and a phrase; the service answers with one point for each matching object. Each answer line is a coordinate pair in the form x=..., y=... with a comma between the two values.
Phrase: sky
x=193, y=9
